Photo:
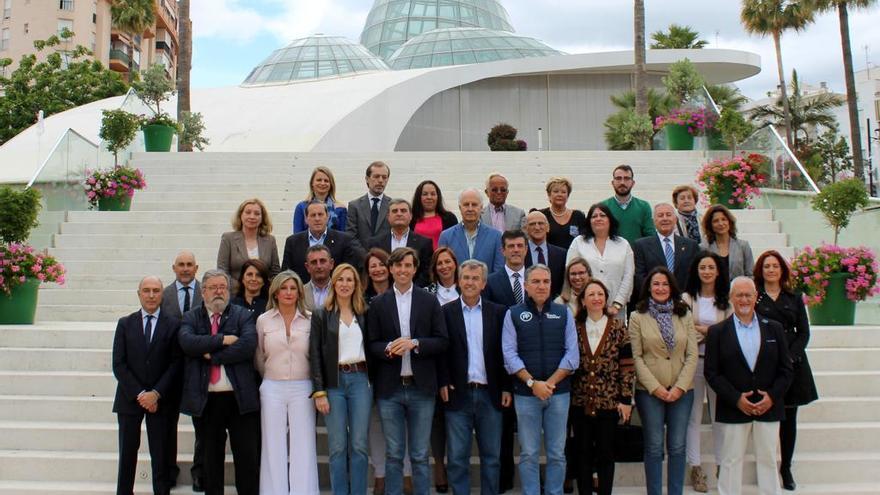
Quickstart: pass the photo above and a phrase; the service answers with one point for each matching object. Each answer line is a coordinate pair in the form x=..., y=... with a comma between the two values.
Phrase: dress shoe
x=787, y=479
x=197, y=485
x=407, y=485
x=568, y=486
x=379, y=486
x=698, y=480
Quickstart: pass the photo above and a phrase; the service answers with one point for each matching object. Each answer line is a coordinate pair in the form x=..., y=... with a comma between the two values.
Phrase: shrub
x=118, y=129
x=502, y=137
x=191, y=128
x=683, y=81
x=837, y=202
x=734, y=128
x=18, y=213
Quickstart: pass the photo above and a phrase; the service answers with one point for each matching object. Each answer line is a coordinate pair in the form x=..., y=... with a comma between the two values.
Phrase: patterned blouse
x=606, y=378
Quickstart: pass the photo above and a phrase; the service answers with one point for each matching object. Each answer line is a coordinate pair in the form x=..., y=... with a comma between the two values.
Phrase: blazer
x=233, y=253
x=170, y=305
x=615, y=267
x=556, y=263
x=426, y=324
x=648, y=253
x=499, y=291
x=358, y=222
x=729, y=374
x=324, y=348
x=740, y=261
x=453, y=364
x=423, y=246
x=514, y=217
x=344, y=248
x=140, y=367
x=237, y=359
x=487, y=247
x=656, y=366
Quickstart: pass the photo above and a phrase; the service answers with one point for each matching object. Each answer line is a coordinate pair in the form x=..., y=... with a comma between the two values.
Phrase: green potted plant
x=682, y=124
x=502, y=137
x=733, y=182
x=734, y=129
x=112, y=190
x=118, y=129
x=153, y=89
x=22, y=270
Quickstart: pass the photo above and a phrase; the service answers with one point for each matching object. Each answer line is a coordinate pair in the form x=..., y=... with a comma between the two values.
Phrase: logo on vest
x=526, y=317
x=551, y=316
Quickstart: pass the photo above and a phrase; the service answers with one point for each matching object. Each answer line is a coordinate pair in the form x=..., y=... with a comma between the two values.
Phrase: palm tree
x=132, y=17
x=726, y=96
x=842, y=7
x=184, y=65
x=640, y=56
x=677, y=37
x=772, y=17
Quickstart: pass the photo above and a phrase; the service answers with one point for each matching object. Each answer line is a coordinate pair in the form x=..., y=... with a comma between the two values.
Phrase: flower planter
x=836, y=309
x=20, y=307
x=158, y=137
x=724, y=196
x=116, y=203
x=678, y=138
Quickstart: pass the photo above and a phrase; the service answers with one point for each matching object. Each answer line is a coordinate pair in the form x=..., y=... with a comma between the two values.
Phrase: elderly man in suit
x=319, y=264
x=472, y=239
x=400, y=235
x=146, y=364
x=665, y=248
x=343, y=247
x=220, y=384
x=406, y=335
x=540, y=251
x=749, y=368
x=368, y=214
x=498, y=214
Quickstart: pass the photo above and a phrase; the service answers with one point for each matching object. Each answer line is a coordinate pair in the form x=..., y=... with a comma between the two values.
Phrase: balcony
x=119, y=60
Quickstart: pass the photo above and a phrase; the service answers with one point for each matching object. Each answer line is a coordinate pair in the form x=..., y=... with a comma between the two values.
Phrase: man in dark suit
x=749, y=368
x=473, y=382
x=344, y=248
x=146, y=364
x=540, y=251
x=400, y=235
x=220, y=384
x=406, y=336
x=664, y=249
x=368, y=214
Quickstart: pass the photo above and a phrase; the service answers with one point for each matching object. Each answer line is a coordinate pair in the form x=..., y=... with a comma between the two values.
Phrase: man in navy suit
x=540, y=251
x=473, y=382
x=749, y=368
x=147, y=366
x=665, y=249
x=400, y=235
x=344, y=248
x=406, y=335
x=471, y=239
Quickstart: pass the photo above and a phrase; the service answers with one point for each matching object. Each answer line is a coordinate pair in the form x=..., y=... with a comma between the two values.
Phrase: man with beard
x=633, y=214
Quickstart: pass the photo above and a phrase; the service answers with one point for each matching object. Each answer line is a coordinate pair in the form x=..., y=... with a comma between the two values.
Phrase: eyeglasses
x=623, y=179
x=216, y=288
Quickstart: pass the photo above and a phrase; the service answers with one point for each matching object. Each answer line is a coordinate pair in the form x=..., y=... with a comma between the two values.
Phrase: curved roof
x=314, y=57
x=392, y=22
x=457, y=46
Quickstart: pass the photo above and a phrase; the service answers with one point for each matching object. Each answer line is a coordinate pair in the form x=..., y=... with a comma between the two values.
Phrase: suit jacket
x=499, y=291
x=556, y=261
x=740, y=260
x=453, y=369
x=140, y=367
x=729, y=374
x=324, y=348
x=486, y=249
x=358, y=223
x=344, y=248
x=233, y=253
x=170, y=305
x=514, y=217
x=656, y=366
x=648, y=253
x=423, y=246
x=426, y=324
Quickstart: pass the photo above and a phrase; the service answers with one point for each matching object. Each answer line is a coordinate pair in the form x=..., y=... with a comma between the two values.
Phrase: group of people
x=412, y=332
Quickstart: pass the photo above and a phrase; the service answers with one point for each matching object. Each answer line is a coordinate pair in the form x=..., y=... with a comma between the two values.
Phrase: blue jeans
x=656, y=414
x=406, y=419
x=347, y=427
x=476, y=414
x=533, y=416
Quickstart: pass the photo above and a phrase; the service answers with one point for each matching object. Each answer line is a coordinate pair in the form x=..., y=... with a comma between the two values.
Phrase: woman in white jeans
x=288, y=462
x=706, y=294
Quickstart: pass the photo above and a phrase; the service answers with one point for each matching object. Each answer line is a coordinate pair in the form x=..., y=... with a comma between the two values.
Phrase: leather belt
x=476, y=385
x=353, y=367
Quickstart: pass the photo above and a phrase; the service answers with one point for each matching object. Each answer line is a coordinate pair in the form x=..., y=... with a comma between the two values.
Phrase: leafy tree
x=683, y=81
x=192, y=127
x=640, y=74
x=18, y=213
x=734, y=128
x=839, y=201
x=827, y=157
x=677, y=36
x=184, y=66
x=132, y=17
x=59, y=83
x=118, y=129
x=154, y=88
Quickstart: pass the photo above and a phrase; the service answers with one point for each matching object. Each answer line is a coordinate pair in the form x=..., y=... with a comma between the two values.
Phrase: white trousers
x=701, y=390
x=735, y=439
x=288, y=460
x=377, y=447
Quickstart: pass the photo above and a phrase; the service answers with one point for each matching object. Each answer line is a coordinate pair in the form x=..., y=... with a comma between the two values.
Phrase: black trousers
x=172, y=418
x=787, y=436
x=220, y=416
x=571, y=449
x=595, y=445
x=508, y=427
x=130, y=442
x=198, y=458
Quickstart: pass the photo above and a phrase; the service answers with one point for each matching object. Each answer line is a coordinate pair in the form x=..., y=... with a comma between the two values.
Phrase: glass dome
x=314, y=57
x=457, y=46
x=392, y=22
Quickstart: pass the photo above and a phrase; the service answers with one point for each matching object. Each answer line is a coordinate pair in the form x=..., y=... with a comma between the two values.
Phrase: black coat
x=790, y=312
x=324, y=348
x=556, y=262
x=237, y=359
x=648, y=253
x=499, y=291
x=343, y=246
x=423, y=246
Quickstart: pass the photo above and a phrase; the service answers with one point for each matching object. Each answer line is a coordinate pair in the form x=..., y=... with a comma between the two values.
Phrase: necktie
x=186, y=299
x=148, y=330
x=517, y=289
x=215, y=327
x=374, y=214
x=670, y=255
x=541, y=259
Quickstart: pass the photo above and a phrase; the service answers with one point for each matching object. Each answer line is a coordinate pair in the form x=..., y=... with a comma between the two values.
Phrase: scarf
x=693, y=225
x=662, y=314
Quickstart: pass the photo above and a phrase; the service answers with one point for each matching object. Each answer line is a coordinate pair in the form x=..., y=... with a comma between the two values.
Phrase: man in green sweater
x=633, y=214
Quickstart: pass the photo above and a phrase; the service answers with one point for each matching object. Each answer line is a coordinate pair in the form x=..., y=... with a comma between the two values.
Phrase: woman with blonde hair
x=286, y=412
x=251, y=238
x=577, y=275
x=339, y=377
x=565, y=223
x=322, y=187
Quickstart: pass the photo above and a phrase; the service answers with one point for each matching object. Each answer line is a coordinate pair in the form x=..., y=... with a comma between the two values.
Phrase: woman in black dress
x=565, y=223
x=777, y=301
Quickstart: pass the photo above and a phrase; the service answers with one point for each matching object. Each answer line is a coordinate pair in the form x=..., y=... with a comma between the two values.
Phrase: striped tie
x=517, y=289
x=670, y=254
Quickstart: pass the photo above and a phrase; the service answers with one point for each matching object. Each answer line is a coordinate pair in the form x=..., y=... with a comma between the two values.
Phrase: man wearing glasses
x=633, y=214
x=498, y=214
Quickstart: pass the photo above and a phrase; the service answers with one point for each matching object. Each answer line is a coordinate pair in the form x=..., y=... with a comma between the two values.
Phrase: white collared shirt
x=446, y=294
x=522, y=277
x=399, y=243
x=473, y=326
x=351, y=343
x=316, y=240
x=181, y=295
x=404, y=309
x=595, y=330
x=663, y=238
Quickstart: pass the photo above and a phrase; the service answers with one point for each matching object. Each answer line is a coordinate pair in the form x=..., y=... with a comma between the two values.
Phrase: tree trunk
x=783, y=91
x=640, y=55
x=184, y=65
x=851, y=99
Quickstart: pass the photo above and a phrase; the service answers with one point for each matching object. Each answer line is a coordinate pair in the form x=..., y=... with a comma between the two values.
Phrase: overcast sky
x=232, y=36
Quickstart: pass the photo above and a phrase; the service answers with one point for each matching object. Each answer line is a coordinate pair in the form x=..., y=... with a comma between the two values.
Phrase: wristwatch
x=617, y=305
x=530, y=382
x=416, y=344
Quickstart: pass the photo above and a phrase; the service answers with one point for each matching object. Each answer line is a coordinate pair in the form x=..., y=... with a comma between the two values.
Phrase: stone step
x=86, y=312
x=856, y=359
x=30, y=359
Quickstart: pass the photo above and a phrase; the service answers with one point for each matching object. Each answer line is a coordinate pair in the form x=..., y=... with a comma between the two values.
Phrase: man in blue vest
x=539, y=343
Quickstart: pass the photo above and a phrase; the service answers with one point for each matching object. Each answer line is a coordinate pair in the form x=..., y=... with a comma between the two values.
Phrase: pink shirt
x=279, y=357
x=430, y=227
